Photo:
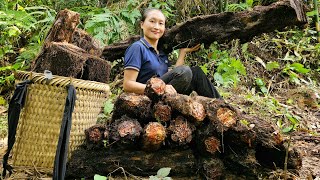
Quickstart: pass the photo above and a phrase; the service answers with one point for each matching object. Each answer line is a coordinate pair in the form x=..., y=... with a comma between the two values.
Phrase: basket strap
x=60, y=161
x=15, y=105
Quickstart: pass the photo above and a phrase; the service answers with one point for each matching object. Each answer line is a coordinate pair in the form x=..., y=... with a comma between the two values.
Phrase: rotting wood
x=162, y=112
x=153, y=137
x=63, y=27
x=180, y=131
x=133, y=105
x=126, y=132
x=186, y=106
x=155, y=89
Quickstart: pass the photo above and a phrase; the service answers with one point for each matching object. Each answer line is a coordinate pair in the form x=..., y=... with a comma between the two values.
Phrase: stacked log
x=220, y=137
x=71, y=52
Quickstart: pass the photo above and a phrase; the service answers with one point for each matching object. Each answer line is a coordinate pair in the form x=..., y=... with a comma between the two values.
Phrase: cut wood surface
x=71, y=52
x=63, y=27
x=65, y=59
x=222, y=27
x=154, y=134
x=133, y=105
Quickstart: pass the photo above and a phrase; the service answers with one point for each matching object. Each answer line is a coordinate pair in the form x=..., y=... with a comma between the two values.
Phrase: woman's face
x=154, y=25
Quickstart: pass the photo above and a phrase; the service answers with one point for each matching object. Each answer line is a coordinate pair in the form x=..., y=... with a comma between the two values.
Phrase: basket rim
x=61, y=81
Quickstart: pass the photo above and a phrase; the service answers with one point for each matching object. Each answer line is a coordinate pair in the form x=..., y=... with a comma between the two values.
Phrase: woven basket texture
x=40, y=119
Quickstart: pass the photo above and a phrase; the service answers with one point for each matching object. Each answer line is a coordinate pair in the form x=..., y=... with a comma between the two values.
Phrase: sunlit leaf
x=163, y=172
x=272, y=65
x=99, y=177
x=287, y=129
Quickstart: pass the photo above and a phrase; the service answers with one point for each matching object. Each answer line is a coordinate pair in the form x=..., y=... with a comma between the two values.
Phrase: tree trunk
x=63, y=27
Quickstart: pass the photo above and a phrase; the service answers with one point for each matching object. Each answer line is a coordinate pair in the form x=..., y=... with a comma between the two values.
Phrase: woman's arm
x=183, y=52
x=130, y=83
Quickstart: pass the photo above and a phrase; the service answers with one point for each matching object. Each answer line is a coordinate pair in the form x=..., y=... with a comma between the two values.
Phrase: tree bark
x=186, y=106
x=133, y=105
x=85, y=163
x=223, y=27
x=63, y=27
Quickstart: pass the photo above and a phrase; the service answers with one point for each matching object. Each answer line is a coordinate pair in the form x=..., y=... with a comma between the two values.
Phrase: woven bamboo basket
x=40, y=119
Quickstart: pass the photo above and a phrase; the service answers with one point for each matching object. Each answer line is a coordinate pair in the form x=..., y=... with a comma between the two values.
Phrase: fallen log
x=85, y=163
x=186, y=106
x=133, y=105
x=223, y=27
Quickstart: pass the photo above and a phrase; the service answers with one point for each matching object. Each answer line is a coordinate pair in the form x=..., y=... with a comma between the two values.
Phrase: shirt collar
x=145, y=42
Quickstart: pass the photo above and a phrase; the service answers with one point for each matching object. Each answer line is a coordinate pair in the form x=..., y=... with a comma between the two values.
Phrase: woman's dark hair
x=146, y=12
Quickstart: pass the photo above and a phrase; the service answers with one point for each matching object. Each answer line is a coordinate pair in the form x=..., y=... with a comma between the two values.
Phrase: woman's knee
x=184, y=72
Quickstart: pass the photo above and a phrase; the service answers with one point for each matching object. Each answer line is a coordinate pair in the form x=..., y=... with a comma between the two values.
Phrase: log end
x=153, y=136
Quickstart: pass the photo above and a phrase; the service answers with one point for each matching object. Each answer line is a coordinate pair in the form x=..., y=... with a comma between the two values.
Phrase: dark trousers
x=185, y=80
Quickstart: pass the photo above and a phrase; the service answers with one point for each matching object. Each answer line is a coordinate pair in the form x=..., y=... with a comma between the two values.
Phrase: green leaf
x=98, y=177
x=204, y=68
x=108, y=107
x=153, y=178
x=299, y=68
x=244, y=122
x=259, y=82
x=287, y=129
x=2, y=101
x=272, y=65
x=163, y=172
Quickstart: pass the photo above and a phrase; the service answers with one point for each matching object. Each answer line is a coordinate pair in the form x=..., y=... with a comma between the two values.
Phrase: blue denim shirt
x=142, y=57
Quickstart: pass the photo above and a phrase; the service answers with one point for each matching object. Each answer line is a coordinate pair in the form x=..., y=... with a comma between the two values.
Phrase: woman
x=144, y=60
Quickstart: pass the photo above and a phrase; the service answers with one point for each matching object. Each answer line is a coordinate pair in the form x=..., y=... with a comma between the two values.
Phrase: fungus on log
x=162, y=112
x=154, y=135
x=155, y=89
x=125, y=132
x=186, y=106
x=96, y=135
x=180, y=131
x=133, y=105
x=220, y=113
x=223, y=27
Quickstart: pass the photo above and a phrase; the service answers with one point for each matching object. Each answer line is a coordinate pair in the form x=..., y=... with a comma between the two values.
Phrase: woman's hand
x=191, y=49
x=184, y=51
